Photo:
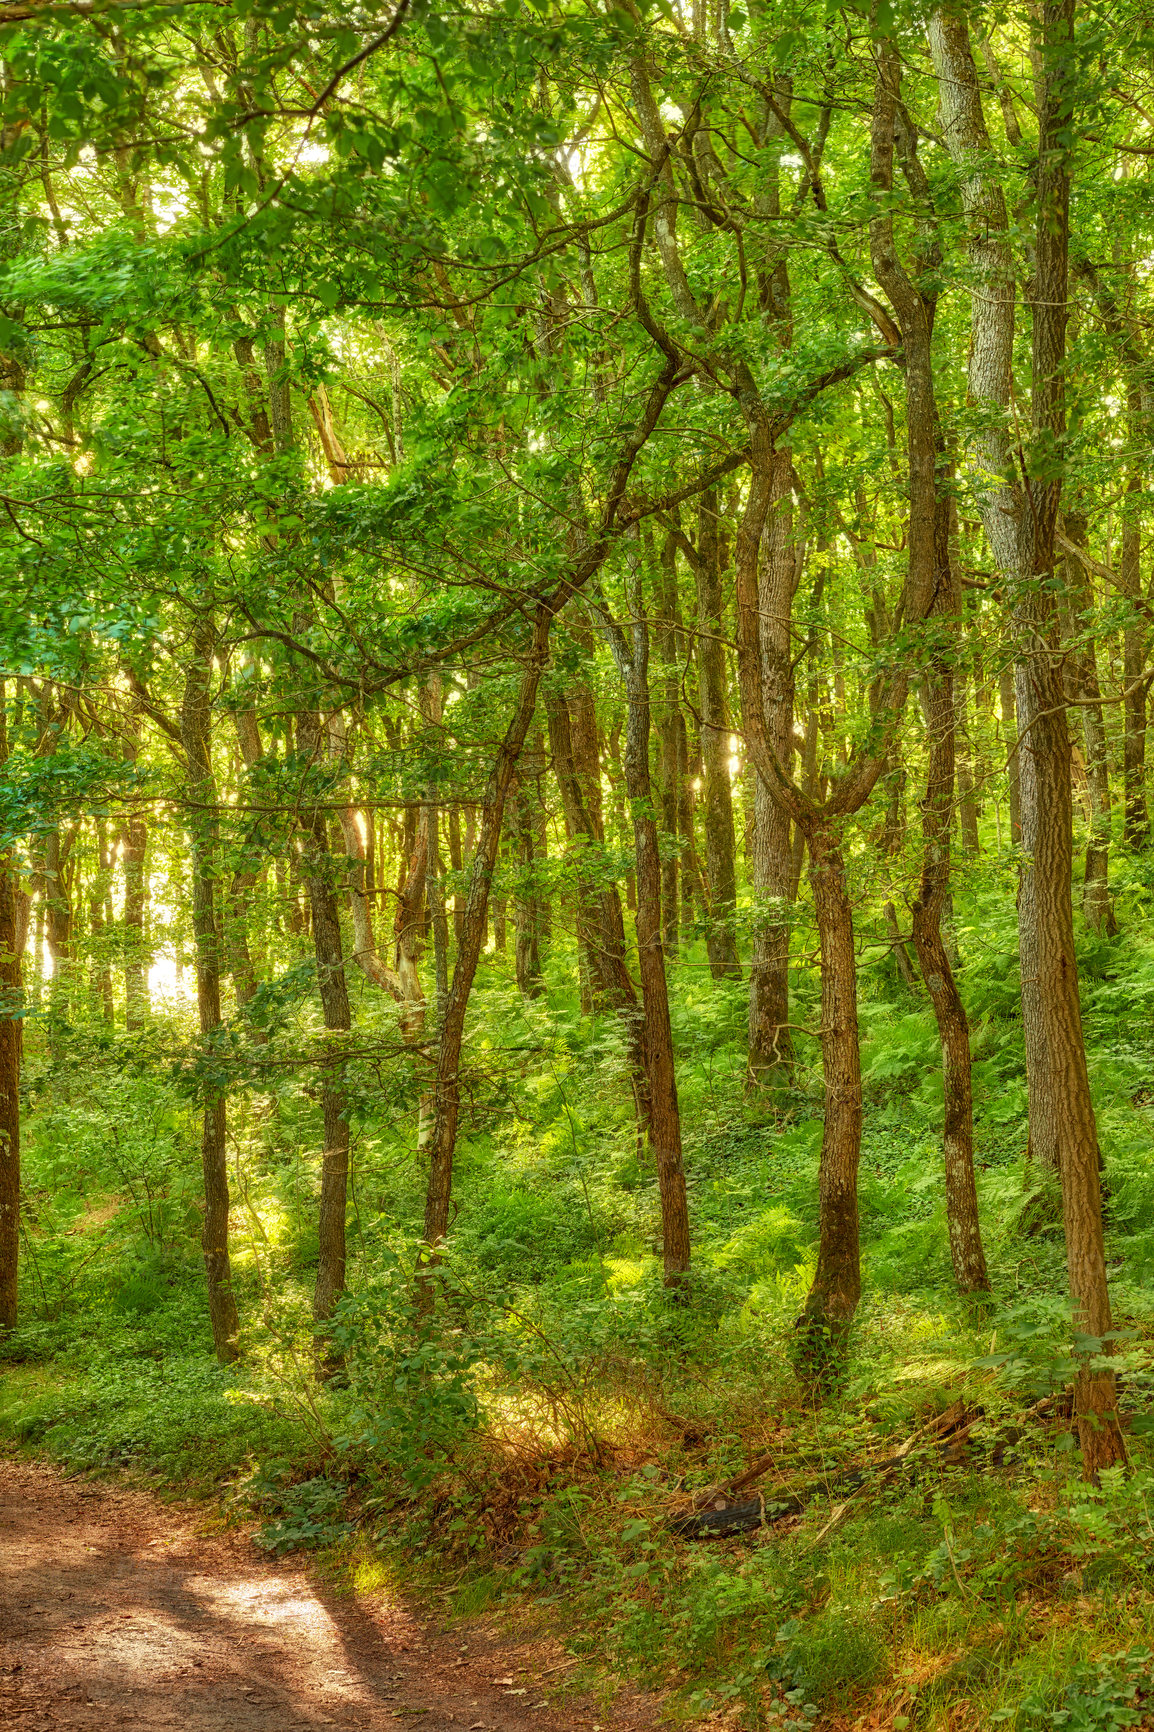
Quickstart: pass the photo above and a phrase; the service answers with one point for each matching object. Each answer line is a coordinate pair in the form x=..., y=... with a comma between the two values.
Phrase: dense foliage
x=575, y=876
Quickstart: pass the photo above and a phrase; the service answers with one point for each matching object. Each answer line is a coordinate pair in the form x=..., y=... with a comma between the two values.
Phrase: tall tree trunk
x=334, y=995
x=1097, y=905
x=770, y=1042
x=1135, y=680
x=632, y=657
x=1007, y=703
x=204, y=835
x=1021, y=532
x=527, y=949
x=11, y=1023
x=97, y=911
x=443, y=1142
x=720, y=867
x=836, y=1288
x=614, y=985
x=668, y=737
x=964, y=1229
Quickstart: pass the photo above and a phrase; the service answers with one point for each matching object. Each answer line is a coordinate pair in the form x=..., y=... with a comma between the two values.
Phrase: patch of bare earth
x=116, y=1611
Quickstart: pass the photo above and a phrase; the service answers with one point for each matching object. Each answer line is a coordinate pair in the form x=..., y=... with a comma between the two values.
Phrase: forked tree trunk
x=204, y=834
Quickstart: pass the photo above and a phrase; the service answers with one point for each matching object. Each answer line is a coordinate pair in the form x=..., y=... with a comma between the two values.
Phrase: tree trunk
x=1134, y=679
x=1009, y=709
x=443, y=1142
x=97, y=911
x=204, y=835
x=527, y=949
x=963, y=1225
x=836, y=1289
x=668, y=737
x=334, y=995
x=1097, y=906
x=770, y=1042
x=720, y=869
x=632, y=657
x=11, y=1006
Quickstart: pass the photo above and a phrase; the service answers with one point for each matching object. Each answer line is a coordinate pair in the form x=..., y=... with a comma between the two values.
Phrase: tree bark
x=770, y=1041
x=720, y=868
x=204, y=836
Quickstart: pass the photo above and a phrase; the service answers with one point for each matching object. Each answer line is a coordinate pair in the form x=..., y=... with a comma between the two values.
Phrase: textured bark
x=770, y=1042
x=320, y=876
x=836, y=1288
x=720, y=879
x=203, y=827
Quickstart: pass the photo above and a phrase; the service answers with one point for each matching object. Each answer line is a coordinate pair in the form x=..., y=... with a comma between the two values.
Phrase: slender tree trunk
x=1135, y=679
x=11, y=1007
x=963, y=1225
x=1009, y=708
x=443, y=1142
x=527, y=949
x=456, y=861
x=770, y=1042
x=204, y=829
x=97, y=910
x=1097, y=906
x=720, y=868
x=632, y=657
x=967, y=805
x=614, y=984
x=836, y=1289
x=668, y=736
x=334, y=995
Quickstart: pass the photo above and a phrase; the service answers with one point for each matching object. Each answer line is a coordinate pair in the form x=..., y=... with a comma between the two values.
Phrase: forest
x=576, y=870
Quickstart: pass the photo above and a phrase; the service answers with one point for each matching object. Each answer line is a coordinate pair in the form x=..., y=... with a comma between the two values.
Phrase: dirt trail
x=116, y=1611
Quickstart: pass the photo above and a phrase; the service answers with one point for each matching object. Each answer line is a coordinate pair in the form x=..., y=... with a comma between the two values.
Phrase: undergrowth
x=525, y=1448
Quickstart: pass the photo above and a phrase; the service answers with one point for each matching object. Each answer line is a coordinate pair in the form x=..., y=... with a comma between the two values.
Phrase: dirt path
x=116, y=1611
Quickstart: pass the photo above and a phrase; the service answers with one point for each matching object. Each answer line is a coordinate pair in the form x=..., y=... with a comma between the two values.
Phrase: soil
x=118, y=1610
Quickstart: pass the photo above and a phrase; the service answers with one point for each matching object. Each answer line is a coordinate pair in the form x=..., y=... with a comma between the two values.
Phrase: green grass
x=528, y=1449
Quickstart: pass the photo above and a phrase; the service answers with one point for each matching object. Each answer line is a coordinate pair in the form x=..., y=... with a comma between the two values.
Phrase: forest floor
x=119, y=1610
